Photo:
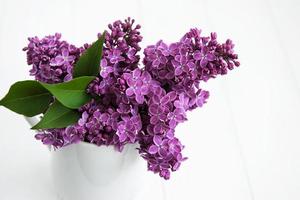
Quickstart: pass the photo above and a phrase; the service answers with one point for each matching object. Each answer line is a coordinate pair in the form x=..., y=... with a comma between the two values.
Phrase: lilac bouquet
x=102, y=93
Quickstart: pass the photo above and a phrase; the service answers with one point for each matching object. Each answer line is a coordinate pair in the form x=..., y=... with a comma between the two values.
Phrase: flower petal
x=157, y=140
x=210, y=57
x=203, y=62
x=129, y=92
x=153, y=149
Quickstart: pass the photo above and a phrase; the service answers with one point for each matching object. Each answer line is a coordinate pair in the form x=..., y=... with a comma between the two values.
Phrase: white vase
x=85, y=171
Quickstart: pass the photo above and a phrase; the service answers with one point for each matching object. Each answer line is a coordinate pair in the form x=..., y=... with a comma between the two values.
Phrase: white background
x=242, y=145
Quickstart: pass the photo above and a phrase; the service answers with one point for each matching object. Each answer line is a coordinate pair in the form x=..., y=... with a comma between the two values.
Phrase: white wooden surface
x=243, y=145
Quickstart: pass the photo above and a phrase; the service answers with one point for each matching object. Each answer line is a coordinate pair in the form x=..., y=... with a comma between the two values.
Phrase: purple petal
x=39, y=136
x=203, y=62
x=34, y=69
x=70, y=58
x=116, y=52
x=163, y=60
x=191, y=65
x=165, y=100
x=157, y=140
x=146, y=76
x=153, y=149
x=68, y=77
x=210, y=57
x=175, y=63
x=144, y=90
x=156, y=63
x=156, y=99
x=178, y=71
x=58, y=72
x=136, y=72
x=104, y=117
x=197, y=55
x=126, y=76
x=154, y=120
x=140, y=99
x=139, y=83
x=172, y=95
x=131, y=82
x=178, y=58
x=172, y=123
x=158, y=128
x=170, y=75
x=170, y=134
x=65, y=52
x=103, y=62
x=153, y=109
x=183, y=60
x=176, y=166
x=162, y=116
x=122, y=137
x=162, y=152
x=59, y=60
x=129, y=92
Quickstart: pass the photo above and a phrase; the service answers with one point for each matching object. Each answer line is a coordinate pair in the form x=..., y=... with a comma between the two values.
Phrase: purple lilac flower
x=163, y=154
x=52, y=60
x=63, y=59
x=105, y=68
x=61, y=137
x=182, y=102
x=204, y=56
x=115, y=56
x=194, y=57
x=139, y=83
x=175, y=117
x=122, y=45
x=53, y=137
x=129, y=128
x=202, y=97
x=135, y=105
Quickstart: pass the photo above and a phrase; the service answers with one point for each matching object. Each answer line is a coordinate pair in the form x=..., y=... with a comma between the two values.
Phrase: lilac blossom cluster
x=133, y=104
x=52, y=60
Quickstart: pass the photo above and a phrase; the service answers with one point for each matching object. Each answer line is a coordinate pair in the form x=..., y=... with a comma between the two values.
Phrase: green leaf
x=89, y=62
x=58, y=116
x=28, y=98
x=71, y=94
